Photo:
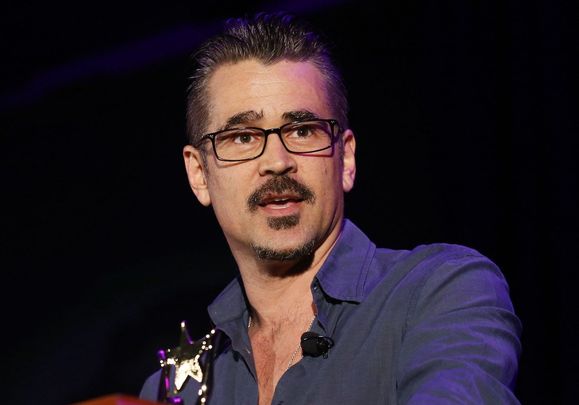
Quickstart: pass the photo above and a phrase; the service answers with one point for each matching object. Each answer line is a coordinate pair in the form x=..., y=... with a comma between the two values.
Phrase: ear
x=196, y=173
x=349, y=161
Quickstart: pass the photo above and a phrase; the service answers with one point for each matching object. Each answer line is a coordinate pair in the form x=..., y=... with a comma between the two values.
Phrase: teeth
x=277, y=200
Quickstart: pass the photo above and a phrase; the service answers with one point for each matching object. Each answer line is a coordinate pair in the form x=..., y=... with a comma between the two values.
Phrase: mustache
x=279, y=185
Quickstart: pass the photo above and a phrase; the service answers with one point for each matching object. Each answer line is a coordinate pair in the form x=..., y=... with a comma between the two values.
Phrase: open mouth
x=278, y=193
x=279, y=201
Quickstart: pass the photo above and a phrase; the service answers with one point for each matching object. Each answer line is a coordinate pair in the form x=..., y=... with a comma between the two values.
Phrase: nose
x=276, y=159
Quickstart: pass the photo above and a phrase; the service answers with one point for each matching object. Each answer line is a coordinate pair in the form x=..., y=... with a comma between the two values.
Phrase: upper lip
x=273, y=198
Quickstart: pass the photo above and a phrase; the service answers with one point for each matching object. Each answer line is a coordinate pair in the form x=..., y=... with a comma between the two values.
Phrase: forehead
x=269, y=90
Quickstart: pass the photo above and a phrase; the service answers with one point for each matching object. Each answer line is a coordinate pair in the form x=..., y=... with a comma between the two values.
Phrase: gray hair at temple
x=269, y=38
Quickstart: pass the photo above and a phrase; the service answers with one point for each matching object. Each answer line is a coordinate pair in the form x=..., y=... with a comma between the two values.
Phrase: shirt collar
x=343, y=275
x=230, y=305
x=228, y=312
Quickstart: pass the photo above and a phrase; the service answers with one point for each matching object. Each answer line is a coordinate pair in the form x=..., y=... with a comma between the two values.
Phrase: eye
x=237, y=138
x=301, y=131
x=243, y=137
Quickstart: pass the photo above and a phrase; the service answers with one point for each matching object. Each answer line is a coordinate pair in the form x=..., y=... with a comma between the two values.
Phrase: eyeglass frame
x=266, y=132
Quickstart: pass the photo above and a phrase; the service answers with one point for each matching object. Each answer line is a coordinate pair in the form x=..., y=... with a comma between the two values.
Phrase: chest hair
x=273, y=349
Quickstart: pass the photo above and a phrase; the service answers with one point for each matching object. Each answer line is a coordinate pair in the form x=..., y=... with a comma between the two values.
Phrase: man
x=271, y=151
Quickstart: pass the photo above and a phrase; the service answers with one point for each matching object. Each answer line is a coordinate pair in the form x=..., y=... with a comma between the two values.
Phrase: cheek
x=226, y=194
x=330, y=181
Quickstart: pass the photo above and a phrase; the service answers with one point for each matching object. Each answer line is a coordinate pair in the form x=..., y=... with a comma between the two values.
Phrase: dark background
x=465, y=113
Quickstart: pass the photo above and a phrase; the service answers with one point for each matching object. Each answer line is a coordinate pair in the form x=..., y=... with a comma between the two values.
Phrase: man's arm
x=461, y=343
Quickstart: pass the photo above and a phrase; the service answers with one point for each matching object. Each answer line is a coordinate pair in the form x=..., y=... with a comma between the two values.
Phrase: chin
x=284, y=254
x=285, y=222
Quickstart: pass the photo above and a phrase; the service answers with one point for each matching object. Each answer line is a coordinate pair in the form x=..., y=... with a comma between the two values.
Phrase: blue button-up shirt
x=432, y=325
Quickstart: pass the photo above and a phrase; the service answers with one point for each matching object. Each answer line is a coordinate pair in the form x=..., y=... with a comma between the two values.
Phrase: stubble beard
x=285, y=255
x=286, y=222
x=277, y=223
x=281, y=184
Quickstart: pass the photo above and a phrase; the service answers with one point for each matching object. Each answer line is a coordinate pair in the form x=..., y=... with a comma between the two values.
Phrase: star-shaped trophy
x=190, y=360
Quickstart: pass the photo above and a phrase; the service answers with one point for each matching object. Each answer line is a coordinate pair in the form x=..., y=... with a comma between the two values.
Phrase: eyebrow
x=243, y=118
x=299, y=115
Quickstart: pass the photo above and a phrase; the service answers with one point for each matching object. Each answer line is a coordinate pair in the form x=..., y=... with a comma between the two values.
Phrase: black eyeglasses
x=239, y=144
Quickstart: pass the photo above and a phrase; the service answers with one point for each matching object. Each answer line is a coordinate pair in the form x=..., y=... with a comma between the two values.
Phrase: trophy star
x=187, y=368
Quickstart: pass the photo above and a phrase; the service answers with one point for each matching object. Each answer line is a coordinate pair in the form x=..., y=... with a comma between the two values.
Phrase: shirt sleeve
x=461, y=342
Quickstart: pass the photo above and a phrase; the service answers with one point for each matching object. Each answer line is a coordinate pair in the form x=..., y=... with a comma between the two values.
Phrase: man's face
x=280, y=205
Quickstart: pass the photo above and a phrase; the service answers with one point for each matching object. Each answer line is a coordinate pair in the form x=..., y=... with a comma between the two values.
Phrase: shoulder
x=425, y=257
x=442, y=269
x=151, y=387
x=437, y=274
x=433, y=260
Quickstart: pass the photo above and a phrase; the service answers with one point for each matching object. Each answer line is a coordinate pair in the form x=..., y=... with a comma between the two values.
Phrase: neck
x=276, y=300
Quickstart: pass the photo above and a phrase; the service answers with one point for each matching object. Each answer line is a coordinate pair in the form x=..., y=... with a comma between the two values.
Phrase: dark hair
x=269, y=38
